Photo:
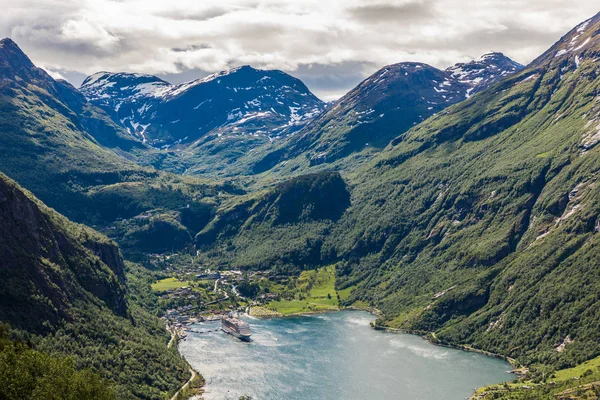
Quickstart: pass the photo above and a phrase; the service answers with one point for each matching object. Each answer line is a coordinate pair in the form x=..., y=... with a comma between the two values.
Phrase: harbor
x=230, y=323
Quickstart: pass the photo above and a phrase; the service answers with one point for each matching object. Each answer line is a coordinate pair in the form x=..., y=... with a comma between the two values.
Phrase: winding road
x=186, y=384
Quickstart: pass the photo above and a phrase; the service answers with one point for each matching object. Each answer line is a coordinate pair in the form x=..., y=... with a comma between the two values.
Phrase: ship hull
x=245, y=338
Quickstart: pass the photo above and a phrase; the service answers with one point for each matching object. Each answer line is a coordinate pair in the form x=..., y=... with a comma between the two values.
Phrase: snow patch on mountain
x=483, y=71
x=244, y=98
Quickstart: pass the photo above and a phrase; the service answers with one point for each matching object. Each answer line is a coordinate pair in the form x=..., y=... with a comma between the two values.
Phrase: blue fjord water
x=334, y=356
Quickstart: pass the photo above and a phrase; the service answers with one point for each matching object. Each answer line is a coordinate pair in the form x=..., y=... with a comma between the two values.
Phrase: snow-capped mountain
x=240, y=101
x=483, y=71
x=113, y=90
x=385, y=105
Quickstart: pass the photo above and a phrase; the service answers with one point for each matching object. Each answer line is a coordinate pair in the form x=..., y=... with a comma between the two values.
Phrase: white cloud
x=55, y=74
x=178, y=36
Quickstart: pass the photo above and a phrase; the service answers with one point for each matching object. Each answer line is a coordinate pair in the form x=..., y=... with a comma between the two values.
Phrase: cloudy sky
x=330, y=44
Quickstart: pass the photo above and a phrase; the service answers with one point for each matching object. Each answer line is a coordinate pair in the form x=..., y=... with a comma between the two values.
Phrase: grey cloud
x=411, y=11
x=329, y=82
x=184, y=76
x=192, y=47
x=334, y=77
x=74, y=77
x=331, y=46
x=186, y=14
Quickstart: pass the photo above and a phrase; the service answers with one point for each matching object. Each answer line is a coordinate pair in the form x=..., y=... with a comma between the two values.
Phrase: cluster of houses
x=208, y=274
x=266, y=297
x=179, y=316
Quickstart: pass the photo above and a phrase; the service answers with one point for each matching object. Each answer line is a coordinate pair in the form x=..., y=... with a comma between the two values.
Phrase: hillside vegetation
x=578, y=383
x=30, y=374
x=282, y=226
x=314, y=291
x=64, y=294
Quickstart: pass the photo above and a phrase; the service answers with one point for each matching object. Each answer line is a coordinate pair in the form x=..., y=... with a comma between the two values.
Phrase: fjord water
x=334, y=356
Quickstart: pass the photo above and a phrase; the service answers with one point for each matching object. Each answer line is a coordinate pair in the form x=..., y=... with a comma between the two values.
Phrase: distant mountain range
x=385, y=105
x=238, y=102
x=251, y=116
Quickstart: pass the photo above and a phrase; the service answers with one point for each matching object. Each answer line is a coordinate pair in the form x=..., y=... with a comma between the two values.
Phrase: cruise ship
x=236, y=327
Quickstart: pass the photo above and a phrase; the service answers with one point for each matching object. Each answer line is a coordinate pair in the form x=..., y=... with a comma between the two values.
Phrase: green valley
x=168, y=284
x=462, y=205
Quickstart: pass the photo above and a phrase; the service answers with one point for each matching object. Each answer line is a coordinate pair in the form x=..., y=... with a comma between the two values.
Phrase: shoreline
x=372, y=311
x=428, y=336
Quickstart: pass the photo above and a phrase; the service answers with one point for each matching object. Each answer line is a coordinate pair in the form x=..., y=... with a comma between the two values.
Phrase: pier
x=207, y=331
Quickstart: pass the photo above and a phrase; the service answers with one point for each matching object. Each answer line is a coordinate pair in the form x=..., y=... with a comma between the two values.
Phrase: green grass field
x=345, y=293
x=313, y=290
x=168, y=284
x=578, y=371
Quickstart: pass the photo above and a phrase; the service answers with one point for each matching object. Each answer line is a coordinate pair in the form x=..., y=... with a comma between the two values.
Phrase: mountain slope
x=384, y=106
x=64, y=290
x=17, y=72
x=55, y=143
x=48, y=263
x=283, y=225
x=503, y=214
x=480, y=224
x=42, y=139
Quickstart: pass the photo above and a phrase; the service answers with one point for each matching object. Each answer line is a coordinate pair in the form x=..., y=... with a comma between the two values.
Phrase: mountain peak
x=484, y=70
x=12, y=59
x=582, y=40
x=122, y=77
x=7, y=42
x=239, y=101
x=490, y=56
x=106, y=86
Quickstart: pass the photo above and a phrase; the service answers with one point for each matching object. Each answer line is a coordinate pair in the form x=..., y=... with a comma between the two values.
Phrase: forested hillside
x=30, y=374
x=64, y=294
x=284, y=226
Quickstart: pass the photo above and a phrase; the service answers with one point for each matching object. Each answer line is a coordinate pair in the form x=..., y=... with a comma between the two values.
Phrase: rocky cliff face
x=48, y=264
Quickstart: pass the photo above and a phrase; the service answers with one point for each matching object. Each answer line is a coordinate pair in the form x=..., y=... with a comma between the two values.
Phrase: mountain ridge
x=234, y=97
x=385, y=105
